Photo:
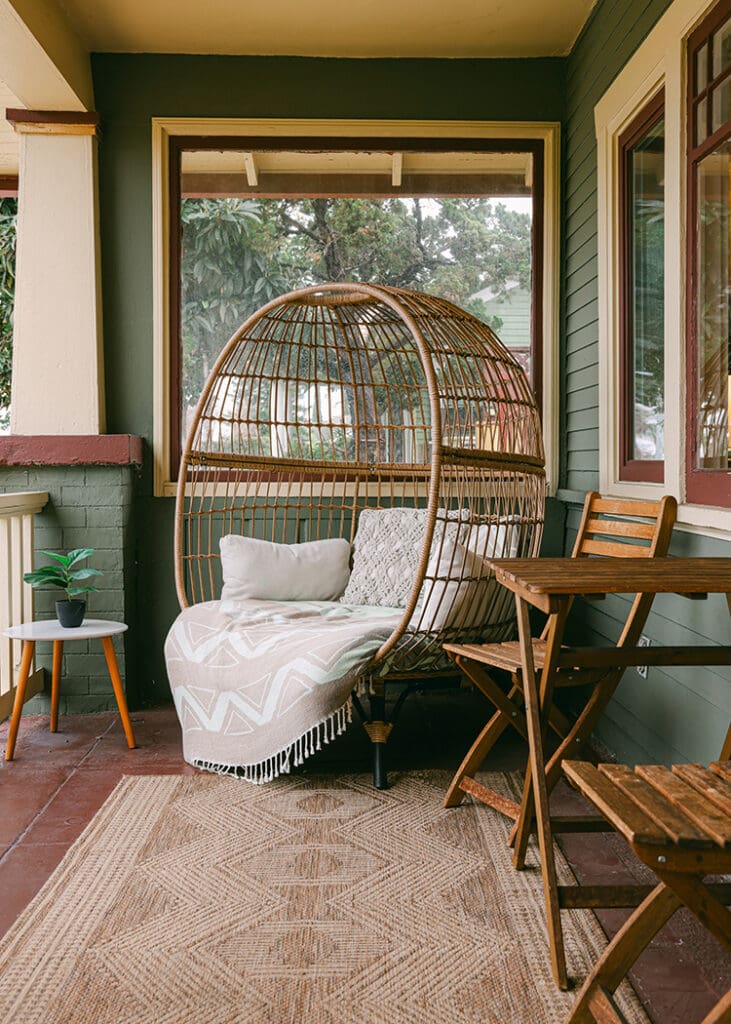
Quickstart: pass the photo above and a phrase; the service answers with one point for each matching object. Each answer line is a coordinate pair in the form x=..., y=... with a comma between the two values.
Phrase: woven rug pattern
x=201, y=900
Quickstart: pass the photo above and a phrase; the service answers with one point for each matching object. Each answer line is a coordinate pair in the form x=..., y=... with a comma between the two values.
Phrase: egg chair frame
x=345, y=396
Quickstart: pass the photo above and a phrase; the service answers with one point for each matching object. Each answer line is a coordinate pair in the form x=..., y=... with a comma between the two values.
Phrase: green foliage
x=62, y=574
x=8, y=216
x=228, y=271
x=240, y=253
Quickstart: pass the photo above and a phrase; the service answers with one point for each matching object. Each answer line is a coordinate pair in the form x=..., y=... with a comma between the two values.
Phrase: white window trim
x=164, y=128
x=658, y=62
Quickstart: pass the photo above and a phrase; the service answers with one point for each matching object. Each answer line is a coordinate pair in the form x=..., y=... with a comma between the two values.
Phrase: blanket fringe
x=291, y=756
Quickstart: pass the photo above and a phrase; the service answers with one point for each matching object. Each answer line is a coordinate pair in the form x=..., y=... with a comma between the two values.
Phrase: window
x=412, y=151
x=249, y=224
x=686, y=57
x=709, y=259
x=642, y=294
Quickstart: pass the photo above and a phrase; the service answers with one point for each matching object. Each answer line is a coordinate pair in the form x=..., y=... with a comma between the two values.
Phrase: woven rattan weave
x=342, y=397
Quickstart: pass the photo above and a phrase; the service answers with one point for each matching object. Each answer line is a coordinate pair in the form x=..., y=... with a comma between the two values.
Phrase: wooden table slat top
x=614, y=576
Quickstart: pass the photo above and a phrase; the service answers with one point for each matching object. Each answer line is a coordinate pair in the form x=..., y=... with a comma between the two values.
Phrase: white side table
x=90, y=629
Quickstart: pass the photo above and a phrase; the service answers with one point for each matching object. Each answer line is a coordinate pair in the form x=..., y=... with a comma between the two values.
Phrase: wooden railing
x=16, y=597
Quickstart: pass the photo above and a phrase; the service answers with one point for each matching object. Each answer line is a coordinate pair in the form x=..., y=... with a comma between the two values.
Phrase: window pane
x=712, y=428
x=240, y=250
x=722, y=49
x=721, y=105
x=646, y=342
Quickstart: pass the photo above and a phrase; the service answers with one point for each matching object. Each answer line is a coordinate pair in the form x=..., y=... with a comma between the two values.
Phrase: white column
x=57, y=339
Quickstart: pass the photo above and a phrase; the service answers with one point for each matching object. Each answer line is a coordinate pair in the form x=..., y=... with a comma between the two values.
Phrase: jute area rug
x=204, y=900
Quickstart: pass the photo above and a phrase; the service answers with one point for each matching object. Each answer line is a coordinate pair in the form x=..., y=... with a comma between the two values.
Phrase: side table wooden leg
x=118, y=690
x=56, y=682
x=25, y=662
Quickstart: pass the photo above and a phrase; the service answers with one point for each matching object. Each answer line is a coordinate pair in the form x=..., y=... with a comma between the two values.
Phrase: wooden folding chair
x=602, y=534
x=679, y=824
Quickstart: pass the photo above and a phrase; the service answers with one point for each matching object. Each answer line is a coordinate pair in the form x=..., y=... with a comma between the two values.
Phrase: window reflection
x=647, y=234
x=713, y=223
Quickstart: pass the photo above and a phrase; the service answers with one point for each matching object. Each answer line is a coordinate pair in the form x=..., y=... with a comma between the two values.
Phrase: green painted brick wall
x=88, y=506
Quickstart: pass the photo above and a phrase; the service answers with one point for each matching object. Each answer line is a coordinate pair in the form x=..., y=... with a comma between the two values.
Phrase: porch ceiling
x=330, y=28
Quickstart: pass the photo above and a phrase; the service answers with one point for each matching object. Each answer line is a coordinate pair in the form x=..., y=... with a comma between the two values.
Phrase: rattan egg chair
x=343, y=397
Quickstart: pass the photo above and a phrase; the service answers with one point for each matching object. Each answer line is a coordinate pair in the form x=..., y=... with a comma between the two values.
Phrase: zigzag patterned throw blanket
x=259, y=691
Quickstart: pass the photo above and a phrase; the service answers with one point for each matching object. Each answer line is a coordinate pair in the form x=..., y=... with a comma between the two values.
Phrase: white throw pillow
x=386, y=554
x=457, y=595
x=317, y=570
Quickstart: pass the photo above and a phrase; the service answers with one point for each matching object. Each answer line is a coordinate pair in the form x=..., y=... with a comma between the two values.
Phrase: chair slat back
x=646, y=534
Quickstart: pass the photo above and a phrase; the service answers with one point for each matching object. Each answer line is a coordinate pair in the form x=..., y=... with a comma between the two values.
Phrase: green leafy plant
x=63, y=575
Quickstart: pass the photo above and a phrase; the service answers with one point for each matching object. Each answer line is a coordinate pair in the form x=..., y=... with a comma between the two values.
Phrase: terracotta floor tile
x=73, y=807
x=23, y=871
x=37, y=746
x=24, y=793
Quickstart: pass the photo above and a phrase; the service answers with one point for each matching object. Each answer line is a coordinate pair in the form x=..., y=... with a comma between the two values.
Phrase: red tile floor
x=58, y=781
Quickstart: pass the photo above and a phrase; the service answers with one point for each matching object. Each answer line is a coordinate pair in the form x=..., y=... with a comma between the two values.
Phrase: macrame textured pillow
x=386, y=554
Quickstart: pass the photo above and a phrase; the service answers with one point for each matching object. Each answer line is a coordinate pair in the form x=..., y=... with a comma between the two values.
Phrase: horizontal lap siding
x=679, y=713
x=609, y=39
x=676, y=714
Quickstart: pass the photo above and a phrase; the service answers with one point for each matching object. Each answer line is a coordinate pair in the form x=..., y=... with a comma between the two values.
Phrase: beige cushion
x=456, y=593
x=317, y=570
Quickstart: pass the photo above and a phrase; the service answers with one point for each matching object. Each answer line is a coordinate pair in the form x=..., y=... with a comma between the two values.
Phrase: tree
x=8, y=216
x=238, y=254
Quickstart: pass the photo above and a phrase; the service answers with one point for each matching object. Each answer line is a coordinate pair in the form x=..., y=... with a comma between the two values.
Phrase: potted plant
x=64, y=575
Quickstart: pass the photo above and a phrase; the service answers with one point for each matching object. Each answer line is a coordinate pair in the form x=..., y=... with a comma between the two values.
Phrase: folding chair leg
x=556, y=625
x=636, y=933
x=537, y=775
x=579, y=733
x=477, y=754
x=701, y=902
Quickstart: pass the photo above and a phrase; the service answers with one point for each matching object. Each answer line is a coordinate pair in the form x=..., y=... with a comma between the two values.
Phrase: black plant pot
x=70, y=614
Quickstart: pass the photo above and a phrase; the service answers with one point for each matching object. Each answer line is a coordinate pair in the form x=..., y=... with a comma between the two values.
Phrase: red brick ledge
x=71, y=450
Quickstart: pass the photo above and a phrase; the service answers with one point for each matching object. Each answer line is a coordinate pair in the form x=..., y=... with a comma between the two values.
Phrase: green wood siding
x=613, y=33
x=675, y=714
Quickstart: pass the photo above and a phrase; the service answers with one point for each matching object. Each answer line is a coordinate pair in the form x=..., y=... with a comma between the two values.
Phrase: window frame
x=173, y=134
x=631, y=469
x=660, y=60
x=703, y=486
x=367, y=144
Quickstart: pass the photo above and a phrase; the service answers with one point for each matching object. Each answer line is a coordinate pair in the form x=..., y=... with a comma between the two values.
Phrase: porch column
x=57, y=338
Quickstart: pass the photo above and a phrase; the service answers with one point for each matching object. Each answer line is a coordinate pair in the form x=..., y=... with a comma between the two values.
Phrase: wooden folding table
x=550, y=584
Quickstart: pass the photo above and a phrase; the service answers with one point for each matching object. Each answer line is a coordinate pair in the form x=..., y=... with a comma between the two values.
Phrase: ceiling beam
x=397, y=166
x=42, y=60
x=252, y=177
